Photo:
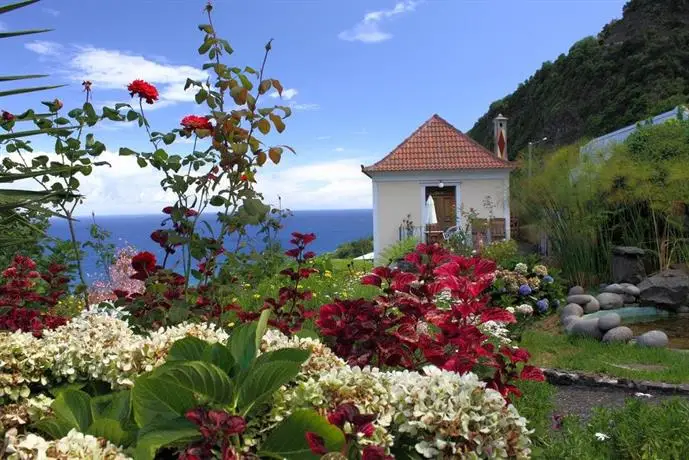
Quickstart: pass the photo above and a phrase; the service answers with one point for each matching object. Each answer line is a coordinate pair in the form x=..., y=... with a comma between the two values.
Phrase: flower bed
x=429, y=412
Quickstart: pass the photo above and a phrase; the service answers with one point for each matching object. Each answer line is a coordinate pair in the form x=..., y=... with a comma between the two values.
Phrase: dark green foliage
x=354, y=248
x=638, y=66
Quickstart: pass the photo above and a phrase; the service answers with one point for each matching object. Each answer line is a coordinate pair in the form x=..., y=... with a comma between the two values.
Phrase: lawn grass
x=553, y=349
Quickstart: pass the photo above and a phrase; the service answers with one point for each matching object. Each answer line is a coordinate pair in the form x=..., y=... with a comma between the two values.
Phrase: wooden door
x=445, y=208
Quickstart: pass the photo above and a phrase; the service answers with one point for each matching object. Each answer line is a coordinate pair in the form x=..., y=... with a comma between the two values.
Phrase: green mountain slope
x=637, y=66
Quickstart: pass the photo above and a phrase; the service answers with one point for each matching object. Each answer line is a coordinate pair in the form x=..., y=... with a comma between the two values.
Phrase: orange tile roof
x=437, y=145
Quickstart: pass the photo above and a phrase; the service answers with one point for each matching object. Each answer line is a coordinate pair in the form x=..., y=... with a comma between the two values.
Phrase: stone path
x=582, y=400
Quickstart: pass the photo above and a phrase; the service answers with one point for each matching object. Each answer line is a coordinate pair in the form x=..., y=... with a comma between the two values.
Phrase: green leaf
x=277, y=121
x=132, y=115
x=23, y=32
x=288, y=439
x=201, y=96
x=19, y=77
x=169, y=138
x=112, y=431
x=89, y=110
x=55, y=391
x=219, y=355
x=116, y=406
x=53, y=426
x=263, y=125
x=242, y=344
x=74, y=408
x=171, y=391
x=187, y=349
x=174, y=431
x=12, y=92
x=14, y=6
x=262, y=381
x=296, y=355
x=308, y=334
x=141, y=162
x=261, y=327
x=124, y=151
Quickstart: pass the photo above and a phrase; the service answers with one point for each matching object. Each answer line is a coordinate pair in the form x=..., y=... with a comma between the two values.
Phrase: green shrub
x=504, y=253
x=354, y=249
x=400, y=249
x=637, y=431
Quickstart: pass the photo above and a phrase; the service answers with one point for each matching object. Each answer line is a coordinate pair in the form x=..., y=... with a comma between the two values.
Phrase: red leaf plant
x=28, y=296
x=352, y=422
x=217, y=429
x=407, y=325
x=288, y=311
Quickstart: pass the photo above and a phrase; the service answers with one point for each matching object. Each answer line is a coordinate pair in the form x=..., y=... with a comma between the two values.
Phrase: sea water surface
x=332, y=228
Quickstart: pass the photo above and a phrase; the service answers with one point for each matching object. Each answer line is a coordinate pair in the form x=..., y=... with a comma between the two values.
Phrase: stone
x=567, y=321
x=571, y=309
x=610, y=301
x=628, y=299
x=630, y=289
x=586, y=328
x=615, y=289
x=580, y=299
x=667, y=289
x=576, y=290
x=627, y=264
x=655, y=339
x=618, y=334
x=683, y=309
x=592, y=306
x=609, y=321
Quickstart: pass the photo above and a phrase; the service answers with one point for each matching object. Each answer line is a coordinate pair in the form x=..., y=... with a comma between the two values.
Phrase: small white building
x=460, y=175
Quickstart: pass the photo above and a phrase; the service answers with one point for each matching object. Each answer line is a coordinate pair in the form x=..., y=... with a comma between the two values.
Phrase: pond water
x=675, y=326
x=644, y=319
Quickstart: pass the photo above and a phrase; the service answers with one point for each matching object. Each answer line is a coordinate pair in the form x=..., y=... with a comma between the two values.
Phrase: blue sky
x=361, y=75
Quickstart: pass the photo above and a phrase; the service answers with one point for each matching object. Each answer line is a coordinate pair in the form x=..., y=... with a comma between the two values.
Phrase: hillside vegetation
x=637, y=66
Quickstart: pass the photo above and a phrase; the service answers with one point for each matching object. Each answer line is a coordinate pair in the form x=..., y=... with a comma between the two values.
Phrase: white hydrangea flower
x=74, y=446
x=496, y=330
x=521, y=268
x=525, y=309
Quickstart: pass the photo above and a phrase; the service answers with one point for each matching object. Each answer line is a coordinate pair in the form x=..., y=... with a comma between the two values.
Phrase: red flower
x=375, y=453
x=194, y=122
x=87, y=85
x=316, y=443
x=144, y=262
x=144, y=90
x=244, y=178
x=167, y=209
x=7, y=116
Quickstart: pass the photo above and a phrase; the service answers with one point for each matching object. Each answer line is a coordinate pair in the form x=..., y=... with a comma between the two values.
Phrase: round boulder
x=630, y=289
x=618, y=334
x=571, y=309
x=614, y=288
x=628, y=299
x=580, y=299
x=654, y=339
x=683, y=309
x=576, y=290
x=567, y=322
x=592, y=306
x=610, y=301
x=609, y=321
x=586, y=328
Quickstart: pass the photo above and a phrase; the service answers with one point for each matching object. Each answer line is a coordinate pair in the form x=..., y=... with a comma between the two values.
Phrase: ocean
x=332, y=228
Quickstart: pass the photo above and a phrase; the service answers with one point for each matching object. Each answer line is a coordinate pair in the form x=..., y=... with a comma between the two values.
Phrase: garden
x=223, y=344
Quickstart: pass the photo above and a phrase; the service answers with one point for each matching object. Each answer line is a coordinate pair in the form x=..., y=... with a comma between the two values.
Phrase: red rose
x=6, y=116
x=144, y=90
x=144, y=262
x=194, y=122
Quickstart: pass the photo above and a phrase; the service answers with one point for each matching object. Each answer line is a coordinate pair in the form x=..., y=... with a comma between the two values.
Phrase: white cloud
x=44, y=48
x=115, y=69
x=287, y=94
x=323, y=138
x=368, y=30
x=329, y=185
x=51, y=11
x=304, y=107
x=338, y=149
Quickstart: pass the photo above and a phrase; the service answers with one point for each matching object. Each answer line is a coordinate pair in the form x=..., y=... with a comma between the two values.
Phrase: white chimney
x=500, y=136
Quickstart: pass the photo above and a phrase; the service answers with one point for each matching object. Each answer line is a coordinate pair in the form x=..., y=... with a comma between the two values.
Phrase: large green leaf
x=296, y=355
x=262, y=381
x=12, y=92
x=53, y=427
x=174, y=431
x=112, y=430
x=288, y=439
x=187, y=349
x=219, y=355
x=23, y=32
x=169, y=393
x=116, y=406
x=261, y=327
x=74, y=408
x=20, y=77
x=242, y=345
